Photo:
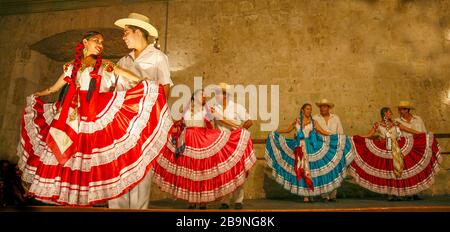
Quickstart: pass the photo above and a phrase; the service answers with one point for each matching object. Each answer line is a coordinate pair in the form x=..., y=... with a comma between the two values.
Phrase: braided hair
x=301, y=116
x=383, y=112
x=77, y=65
x=94, y=74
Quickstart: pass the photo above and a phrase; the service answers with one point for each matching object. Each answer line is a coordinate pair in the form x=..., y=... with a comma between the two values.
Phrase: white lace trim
x=106, y=154
x=210, y=150
x=406, y=148
x=101, y=190
x=203, y=196
x=27, y=170
x=404, y=191
x=304, y=191
x=32, y=130
x=314, y=172
x=107, y=115
x=83, y=195
x=213, y=172
x=49, y=112
x=389, y=174
x=318, y=155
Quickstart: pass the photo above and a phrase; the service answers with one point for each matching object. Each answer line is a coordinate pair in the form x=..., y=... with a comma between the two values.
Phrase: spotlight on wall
x=447, y=34
x=446, y=97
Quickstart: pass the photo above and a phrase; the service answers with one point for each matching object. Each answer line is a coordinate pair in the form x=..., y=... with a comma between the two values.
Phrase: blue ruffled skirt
x=327, y=162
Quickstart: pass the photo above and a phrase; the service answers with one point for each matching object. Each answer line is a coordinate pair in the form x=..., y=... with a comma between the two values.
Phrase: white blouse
x=393, y=132
x=195, y=119
x=83, y=77
x=306, y=129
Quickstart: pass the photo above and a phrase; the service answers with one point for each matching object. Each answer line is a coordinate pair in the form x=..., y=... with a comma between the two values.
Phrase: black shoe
x=238, y=206
x=192, y=206
x=332, y=200
x=202, y=207
x=224, y=206
x=416, y=198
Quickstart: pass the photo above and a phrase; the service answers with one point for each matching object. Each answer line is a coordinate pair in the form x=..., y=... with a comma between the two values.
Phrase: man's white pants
x=136, y=198
x=238, y=196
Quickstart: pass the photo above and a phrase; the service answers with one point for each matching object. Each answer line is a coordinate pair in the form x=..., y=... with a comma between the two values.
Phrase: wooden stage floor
x=429, y=204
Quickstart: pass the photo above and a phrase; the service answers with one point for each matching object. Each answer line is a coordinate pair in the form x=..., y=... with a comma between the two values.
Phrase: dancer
x=203, y=164
x=332, y=124
x=230, y=116
x=92, y=145
x=149, y=63
x=409, y=120
x=312, y=164
x=396, y=165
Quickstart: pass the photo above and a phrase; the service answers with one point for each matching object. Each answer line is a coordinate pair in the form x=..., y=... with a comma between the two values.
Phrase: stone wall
x=361, y=54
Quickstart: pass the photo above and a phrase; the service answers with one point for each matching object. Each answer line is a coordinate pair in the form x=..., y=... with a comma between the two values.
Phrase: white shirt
x=393, y=132
x=84, y=77
x=416, y=123
x=152, y=64
x=234, y=112
x=333, y=126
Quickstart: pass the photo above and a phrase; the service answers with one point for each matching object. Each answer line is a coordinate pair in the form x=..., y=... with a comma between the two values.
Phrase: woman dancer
x=92, y=145
x=203, y=164
x=395, y=165
x=312, y=164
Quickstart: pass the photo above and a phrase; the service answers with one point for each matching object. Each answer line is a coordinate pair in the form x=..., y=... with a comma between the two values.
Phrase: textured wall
x=361, y=54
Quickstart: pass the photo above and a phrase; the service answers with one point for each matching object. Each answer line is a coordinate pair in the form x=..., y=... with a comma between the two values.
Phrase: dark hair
x=305, y=105
x=409, y=110
x=383, y=111
x=145, y=34
x=301, y=115
x=195, y=93
x=89, y=34
x=77, y=65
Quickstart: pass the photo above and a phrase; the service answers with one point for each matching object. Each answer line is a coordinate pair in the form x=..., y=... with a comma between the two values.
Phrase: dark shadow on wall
x=61, y=46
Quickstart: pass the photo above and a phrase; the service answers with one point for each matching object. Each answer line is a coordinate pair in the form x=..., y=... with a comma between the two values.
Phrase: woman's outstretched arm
x=371, y=132
x=52, y=89
x=289, y=129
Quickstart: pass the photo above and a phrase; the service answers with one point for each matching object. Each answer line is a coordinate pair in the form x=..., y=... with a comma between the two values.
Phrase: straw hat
x=325, y=102
x=405, y=105
x=138, y=20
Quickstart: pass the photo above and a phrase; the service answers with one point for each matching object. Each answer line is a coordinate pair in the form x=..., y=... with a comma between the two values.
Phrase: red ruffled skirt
x=105, y=157
x=373, y=167
x=215, y=163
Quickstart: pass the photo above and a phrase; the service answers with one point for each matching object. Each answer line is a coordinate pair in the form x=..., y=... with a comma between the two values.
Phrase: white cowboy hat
x=325, y=102
x=405, y=105
x=138, y=20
